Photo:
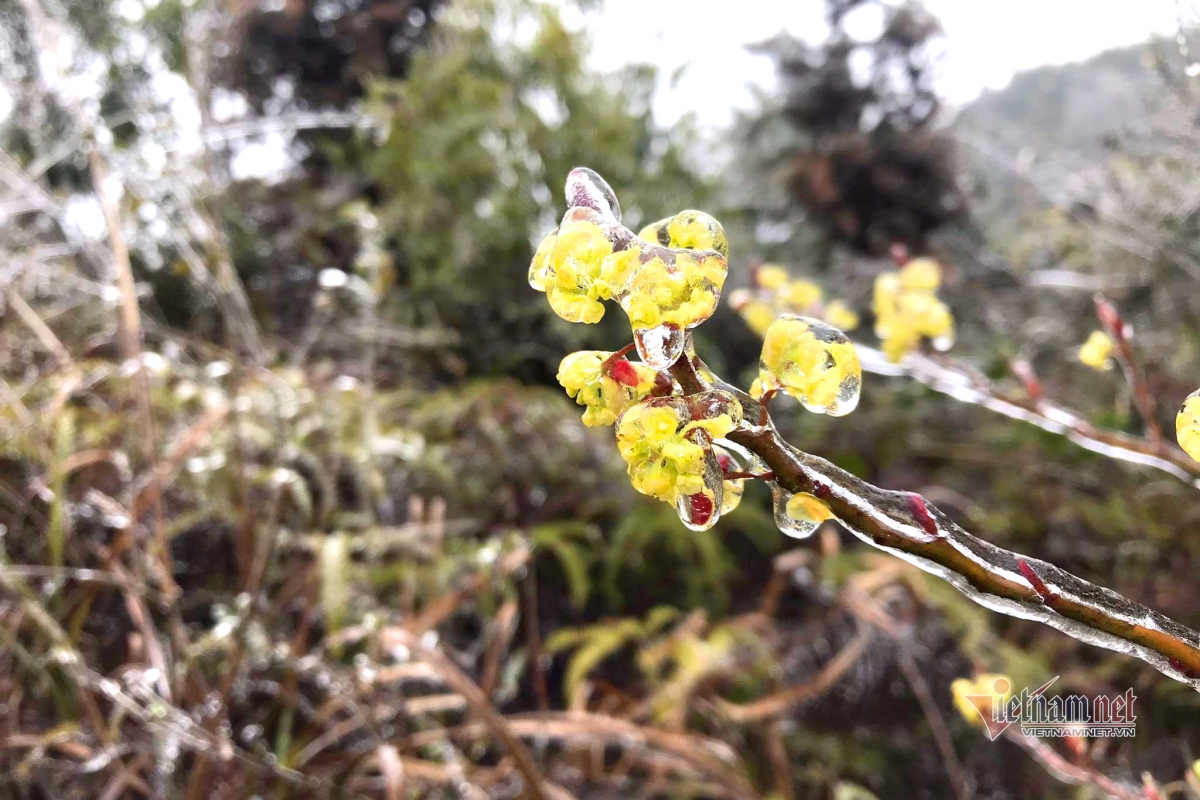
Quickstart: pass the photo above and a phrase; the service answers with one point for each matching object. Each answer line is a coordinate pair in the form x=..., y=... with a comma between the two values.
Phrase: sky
x=986, y=43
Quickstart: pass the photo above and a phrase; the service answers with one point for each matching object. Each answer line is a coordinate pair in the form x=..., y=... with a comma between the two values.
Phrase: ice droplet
x=700, y=511
x=798, y=515
x=660, y=347
x=942, y=343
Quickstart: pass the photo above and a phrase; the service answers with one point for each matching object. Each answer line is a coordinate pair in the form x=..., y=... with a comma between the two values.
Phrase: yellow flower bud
x=1187, y=425
x=907, y=310
x=758, y=315
x=667, y=445
x=771, y=276
x=799, y=294
x=921, y=275
x=976, y=699
x=1096, y=352
x=583, y=375
x=841, y=316
x=807, y=508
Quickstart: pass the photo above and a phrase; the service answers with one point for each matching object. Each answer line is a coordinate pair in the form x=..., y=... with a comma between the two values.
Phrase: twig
x=963, y=385
x=460, y=682
x=1065, y=771
x=1110, y=318
x=984, y=572
x=130, y=331
x=40, y=329
x=937, y=724
x=783, y=701
x=780, y=765
x=533, y=639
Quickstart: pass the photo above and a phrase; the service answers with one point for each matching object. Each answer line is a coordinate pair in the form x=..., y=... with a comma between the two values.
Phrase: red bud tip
x=899, y=253
x=1035, y=580
x=1077, y=745
x=916, y=504
x=1110, y=318
x=700, y=506
x=623, y=372
x=1024, y=370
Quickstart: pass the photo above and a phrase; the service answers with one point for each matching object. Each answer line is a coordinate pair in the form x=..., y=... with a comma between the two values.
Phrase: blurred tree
x=463, y=171
x=320, y=53
x=851, y=137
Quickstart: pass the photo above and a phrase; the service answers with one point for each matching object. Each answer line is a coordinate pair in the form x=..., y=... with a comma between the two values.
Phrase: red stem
x=1110, y=318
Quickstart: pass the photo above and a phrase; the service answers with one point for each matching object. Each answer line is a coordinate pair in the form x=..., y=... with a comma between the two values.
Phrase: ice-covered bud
x=667, y=445
x=669, y=294
x=688, y=230
x=604, y=387
x=813, y=362
x=798, y=515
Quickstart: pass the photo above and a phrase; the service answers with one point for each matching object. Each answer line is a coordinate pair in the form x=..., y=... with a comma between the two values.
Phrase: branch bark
x=989, y=575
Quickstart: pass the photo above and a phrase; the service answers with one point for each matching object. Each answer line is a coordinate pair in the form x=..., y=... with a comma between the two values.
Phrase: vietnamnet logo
x=999, y=707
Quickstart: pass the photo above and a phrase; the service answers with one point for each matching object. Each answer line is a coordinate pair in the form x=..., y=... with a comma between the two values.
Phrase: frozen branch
x=902, y=524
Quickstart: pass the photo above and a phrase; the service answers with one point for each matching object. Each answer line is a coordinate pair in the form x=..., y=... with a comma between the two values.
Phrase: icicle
x=660, y=347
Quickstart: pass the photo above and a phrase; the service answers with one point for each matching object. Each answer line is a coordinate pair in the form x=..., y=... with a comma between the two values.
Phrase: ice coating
x=586, y=189
x=688, y=230
x=731, y=458
x=812, y=361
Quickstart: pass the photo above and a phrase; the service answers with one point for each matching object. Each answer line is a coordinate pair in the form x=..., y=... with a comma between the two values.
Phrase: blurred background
x=292, y=506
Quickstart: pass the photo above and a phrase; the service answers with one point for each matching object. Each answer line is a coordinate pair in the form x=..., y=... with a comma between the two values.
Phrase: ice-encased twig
x=960, y=385
x=989, y=575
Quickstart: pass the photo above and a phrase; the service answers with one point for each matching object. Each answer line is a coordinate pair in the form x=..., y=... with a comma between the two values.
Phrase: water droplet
x=660, y=347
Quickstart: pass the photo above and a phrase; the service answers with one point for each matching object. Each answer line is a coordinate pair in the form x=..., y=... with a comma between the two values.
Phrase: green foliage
x=573, y=545
x=651, y=533
x=594, y=643
x=478, y=139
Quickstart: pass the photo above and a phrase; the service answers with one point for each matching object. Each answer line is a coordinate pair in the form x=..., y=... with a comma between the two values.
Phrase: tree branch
x=976, y=390
x=989, y=575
